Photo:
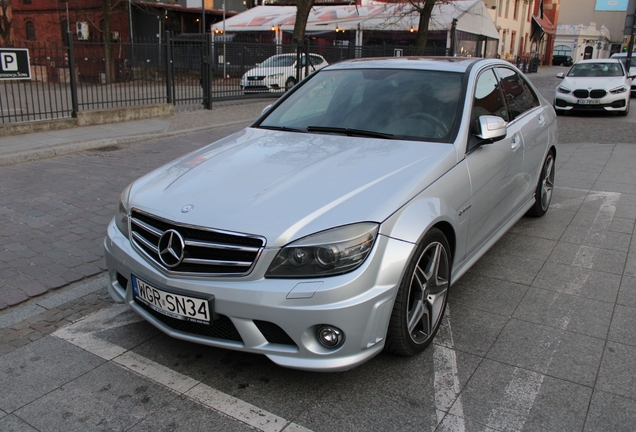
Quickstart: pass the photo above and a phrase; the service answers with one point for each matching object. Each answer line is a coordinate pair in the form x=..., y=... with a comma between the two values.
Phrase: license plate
x=255, y=83
x=173, y=305
x=588, y=102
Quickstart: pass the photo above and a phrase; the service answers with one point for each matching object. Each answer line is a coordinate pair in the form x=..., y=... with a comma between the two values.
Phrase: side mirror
x=632, y=76
x=560, y=75
x=492, y=128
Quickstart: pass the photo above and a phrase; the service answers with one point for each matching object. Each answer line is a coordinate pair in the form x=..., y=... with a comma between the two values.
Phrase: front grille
x=597, y=94
x=581, y=94
x=205, y=251
x=221, y=328
x=273, y=333
x=255, y=78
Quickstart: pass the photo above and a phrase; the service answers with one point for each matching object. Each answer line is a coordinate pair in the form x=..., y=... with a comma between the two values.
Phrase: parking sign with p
x=14, y=63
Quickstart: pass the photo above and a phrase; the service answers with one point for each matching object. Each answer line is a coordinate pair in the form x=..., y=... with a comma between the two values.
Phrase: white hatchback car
x=278, y=73
x=622, y=56
x=594, y=85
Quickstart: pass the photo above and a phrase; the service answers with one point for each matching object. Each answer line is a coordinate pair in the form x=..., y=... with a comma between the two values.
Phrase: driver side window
x=489, y=99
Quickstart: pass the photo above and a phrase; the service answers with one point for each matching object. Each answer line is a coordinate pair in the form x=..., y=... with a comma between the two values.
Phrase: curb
x=65, y=149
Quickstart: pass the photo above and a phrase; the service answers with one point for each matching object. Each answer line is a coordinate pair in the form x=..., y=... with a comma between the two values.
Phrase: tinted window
x=515, y=90
x=488, y=99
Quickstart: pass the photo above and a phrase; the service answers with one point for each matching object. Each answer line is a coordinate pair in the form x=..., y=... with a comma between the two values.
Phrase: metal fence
x=189, y=71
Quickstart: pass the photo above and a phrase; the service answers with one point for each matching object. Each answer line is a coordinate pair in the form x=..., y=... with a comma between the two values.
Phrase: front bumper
x=359, y=303
x=607, y=103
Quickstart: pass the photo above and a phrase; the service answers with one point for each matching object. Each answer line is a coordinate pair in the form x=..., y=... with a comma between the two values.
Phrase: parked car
x=594, y=85
x=622, y=56
x=278, y=73
x=561, y=60
x=334, y=225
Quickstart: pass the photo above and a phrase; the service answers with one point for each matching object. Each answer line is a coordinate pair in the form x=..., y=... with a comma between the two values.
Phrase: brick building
x=48, y=20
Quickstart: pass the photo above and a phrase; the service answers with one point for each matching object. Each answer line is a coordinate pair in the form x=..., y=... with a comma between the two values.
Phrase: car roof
x=448, y=64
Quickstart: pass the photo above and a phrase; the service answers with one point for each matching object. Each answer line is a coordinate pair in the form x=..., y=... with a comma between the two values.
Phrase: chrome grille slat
x=150, y=229
x=217, y=262
x=145, y=242
x=205, y=251
x=211, y=245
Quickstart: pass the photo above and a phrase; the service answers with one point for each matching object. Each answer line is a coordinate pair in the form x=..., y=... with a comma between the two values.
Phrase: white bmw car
x=333, y=227
x=594, y=85
x=278, y=73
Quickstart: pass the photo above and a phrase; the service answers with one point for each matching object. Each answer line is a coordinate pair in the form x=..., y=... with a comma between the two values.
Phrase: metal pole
x=71, y=67
x=224, y=60
x=169, y=98
x=203, y=16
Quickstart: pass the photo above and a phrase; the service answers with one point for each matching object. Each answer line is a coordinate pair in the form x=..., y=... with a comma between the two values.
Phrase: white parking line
x=80, y=334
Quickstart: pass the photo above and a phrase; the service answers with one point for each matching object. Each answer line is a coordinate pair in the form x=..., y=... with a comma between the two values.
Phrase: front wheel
x=545, y=186
x=289, y=83
x=421, y=299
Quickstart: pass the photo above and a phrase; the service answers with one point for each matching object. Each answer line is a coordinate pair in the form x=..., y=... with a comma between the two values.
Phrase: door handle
x=515, y=143
x=541, y=120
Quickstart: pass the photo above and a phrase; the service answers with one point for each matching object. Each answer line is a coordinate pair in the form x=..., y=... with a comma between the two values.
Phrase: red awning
x=545, y=25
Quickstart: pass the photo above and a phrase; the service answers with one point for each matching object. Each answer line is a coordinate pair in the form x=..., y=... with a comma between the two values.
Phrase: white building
x=583, y=41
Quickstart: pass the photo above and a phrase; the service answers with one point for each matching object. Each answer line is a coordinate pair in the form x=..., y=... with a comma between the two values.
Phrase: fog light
x=330, y=337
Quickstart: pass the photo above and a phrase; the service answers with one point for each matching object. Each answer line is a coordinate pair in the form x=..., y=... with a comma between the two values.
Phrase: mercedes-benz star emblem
x=171, y=248
x=187, y=208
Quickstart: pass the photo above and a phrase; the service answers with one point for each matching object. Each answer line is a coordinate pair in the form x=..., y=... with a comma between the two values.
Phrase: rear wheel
x=421, y=299
x=543, y=193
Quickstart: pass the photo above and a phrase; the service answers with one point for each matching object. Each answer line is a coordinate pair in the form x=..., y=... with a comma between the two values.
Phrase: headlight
x=618, y=90
x=565, y=90
x=276, y=75
x=335, y=251
x=121, y=218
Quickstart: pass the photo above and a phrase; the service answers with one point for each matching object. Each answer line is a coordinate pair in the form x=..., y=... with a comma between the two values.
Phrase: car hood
x=285, y=185
x=607, y=83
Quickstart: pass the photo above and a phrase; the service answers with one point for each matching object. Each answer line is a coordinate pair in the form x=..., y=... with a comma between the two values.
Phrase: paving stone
x=12, y=296
x=610, y=413
x=616, y=375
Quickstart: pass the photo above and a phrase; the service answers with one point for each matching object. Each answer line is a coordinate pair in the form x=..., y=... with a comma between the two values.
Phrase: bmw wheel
x=545, y=186
x=421, y=299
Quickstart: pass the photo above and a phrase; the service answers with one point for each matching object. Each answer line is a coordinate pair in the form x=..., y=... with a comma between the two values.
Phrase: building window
x=26, y=1
x=500, y=7
x=30, y=30
x=563, y=50
x=516, y=10
x=507, y=8
x=530, y=10
x=512, y=42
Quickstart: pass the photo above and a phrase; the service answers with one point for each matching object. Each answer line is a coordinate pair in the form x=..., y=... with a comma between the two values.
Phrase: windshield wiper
x=349, y=132
x=283, y=128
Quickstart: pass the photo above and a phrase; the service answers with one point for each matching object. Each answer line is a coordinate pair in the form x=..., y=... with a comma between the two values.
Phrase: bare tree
x=425, y=10
x=303, y=8
x=5, y=22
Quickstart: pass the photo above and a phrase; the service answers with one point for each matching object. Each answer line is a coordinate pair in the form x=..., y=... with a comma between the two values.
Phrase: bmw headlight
x=618, y=90
x=564, y=90
x=335, y=251
x=121, y=218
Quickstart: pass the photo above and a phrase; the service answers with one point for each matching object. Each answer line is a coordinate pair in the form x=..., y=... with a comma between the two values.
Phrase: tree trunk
x=302, y=14
x=425, y=10
x=5, y=23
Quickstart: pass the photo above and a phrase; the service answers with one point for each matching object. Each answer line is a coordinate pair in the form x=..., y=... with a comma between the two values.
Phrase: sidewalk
x=35, y=146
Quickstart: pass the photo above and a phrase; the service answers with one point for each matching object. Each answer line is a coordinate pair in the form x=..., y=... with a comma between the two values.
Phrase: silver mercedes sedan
x=333, y=227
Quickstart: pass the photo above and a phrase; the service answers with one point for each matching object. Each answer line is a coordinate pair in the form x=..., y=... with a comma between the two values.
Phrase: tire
x=421, y=299
x=545, y=186
x=289, y=83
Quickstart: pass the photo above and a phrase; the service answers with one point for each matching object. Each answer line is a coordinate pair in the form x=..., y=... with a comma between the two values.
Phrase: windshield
x=279, y=61
x=596, y=70
x=389, y=103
